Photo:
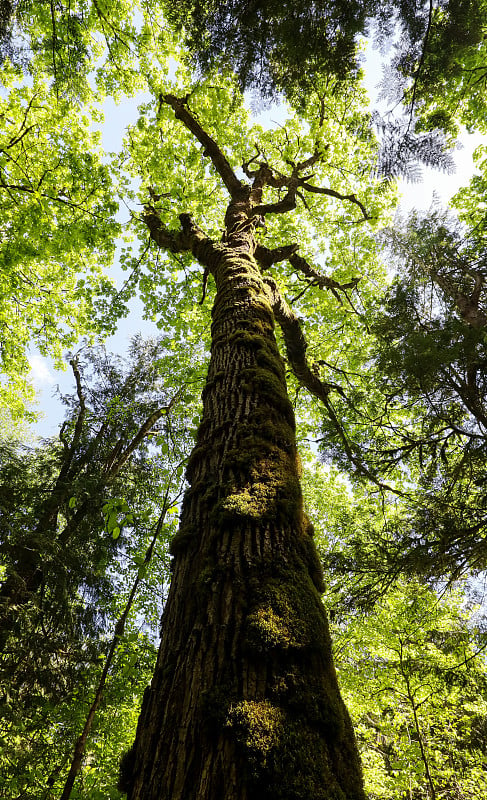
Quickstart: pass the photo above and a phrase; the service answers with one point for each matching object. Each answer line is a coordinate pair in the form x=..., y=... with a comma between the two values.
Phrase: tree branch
x=296, y=346
x=66, y=469
x=143, y=431
x=288, y=203
x=175, y=241
x=323, y=281
x=222, y=166
x=420, y=65
x=331, y=193
x=267, y=257
x=119, y=631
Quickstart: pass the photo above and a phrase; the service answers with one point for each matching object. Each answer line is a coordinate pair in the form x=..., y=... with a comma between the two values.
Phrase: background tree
x=273, y=46
x=78, y=517
x=412, y=667
x=417, y=417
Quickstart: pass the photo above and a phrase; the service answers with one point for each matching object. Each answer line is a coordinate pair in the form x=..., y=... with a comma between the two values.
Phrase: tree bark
x=244, y=702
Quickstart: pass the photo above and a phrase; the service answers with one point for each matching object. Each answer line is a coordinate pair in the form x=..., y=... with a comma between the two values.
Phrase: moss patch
x=262, y=381
x=284, y=759
x=287, y=615
x=258, y=726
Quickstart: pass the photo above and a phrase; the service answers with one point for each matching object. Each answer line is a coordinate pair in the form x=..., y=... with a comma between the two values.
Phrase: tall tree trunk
x=244, y=702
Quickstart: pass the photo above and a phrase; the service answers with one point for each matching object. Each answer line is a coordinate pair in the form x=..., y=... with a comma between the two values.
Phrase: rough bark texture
x=244, y=702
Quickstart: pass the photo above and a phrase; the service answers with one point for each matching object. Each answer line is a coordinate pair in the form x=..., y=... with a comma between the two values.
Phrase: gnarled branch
x=267, y=257
x=323, y=281
x=175, y=241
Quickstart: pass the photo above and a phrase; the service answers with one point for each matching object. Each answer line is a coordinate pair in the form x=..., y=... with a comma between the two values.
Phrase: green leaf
x=112, y=521
x=142, y=571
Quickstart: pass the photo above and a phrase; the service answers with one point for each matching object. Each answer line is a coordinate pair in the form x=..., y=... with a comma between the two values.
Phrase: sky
x=435, y=185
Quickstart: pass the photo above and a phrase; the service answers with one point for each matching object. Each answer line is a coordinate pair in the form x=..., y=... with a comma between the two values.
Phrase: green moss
x=267, y=360
x=264, y=349
x=275, y=495
x=213, y=573
x=312, y=561
x=267, y=630
x=258, y=727
x=309, y=555
x=280, y=433
x=206, y=491
x=267, y=383
x=287, y=615
x=284, y=758
x=243, y=504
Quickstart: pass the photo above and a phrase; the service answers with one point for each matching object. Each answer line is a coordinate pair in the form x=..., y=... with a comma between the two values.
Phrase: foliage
x=271, y=45
x=81, y=46
x=438, y=64
x=412, y=667
x=57, y=227
x=414, y=674
x=437, y=68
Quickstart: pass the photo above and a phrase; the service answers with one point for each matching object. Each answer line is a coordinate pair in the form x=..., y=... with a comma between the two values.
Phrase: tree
x=412, y=667
x=81, y=521
x=244, y=697
x=83, y=47
x=417, y=417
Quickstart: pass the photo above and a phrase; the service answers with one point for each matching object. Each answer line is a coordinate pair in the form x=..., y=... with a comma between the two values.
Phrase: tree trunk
x=244, y=702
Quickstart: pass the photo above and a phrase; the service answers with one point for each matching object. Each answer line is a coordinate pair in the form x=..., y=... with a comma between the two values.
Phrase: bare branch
x=331, y=193
x=246, y=164
x=323, y=281
x=118, y=633
x=222, y=166
x=66, y=469
x=143, y=431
